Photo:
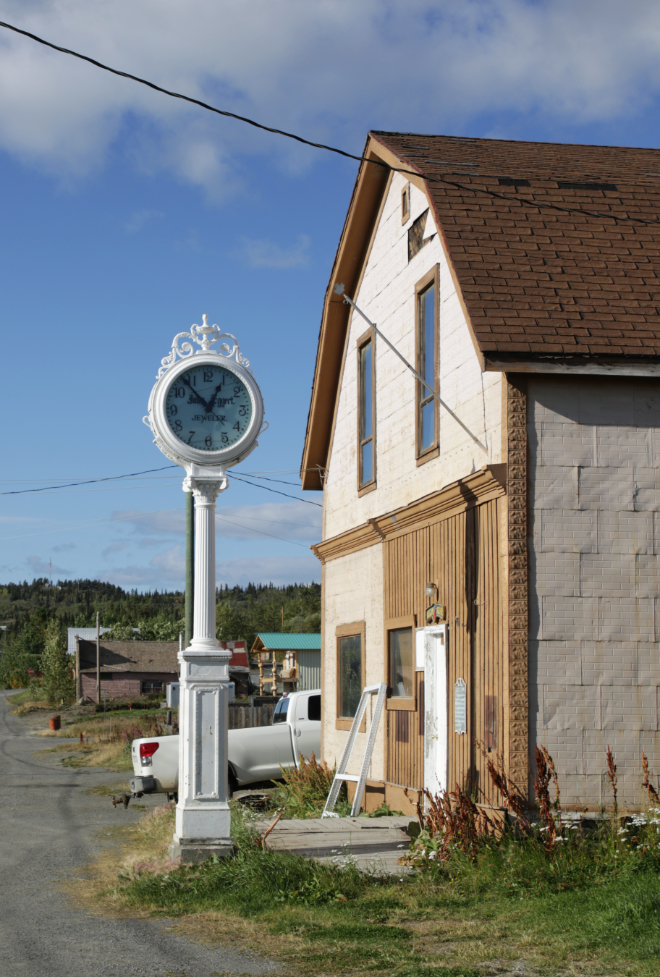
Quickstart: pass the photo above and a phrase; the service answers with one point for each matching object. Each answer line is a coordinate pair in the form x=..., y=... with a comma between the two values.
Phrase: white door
x=433, y=640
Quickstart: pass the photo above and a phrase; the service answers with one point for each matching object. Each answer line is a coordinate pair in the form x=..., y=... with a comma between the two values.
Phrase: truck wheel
x=233, y=783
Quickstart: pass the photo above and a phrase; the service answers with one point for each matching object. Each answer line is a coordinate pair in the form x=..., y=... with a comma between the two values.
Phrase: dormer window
x=405, y=204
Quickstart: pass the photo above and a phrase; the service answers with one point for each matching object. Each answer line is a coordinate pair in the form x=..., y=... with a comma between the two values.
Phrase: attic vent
x=510, y=181
x=569, y=185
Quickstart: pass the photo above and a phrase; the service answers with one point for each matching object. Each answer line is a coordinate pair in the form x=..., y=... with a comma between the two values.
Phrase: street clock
x=206, y=409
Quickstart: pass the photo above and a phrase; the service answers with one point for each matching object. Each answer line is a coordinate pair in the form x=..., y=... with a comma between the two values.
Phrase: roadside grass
x=98, y=747
x=27, y=701
x=592, y=909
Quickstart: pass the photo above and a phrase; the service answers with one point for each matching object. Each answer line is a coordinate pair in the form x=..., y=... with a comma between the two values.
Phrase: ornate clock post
x=205, y=412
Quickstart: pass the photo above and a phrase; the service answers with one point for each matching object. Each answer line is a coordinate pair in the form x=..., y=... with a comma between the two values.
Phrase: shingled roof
x=131, y=656
x=556, y=247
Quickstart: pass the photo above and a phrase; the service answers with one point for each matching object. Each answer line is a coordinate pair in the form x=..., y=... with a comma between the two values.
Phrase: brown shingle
x=532, y=264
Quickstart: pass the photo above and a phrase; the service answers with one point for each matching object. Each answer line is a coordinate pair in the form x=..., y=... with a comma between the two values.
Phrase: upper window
x=350, y=675
x=402, y=665
x=366, y=445
x=405, y=204
x=427, y=364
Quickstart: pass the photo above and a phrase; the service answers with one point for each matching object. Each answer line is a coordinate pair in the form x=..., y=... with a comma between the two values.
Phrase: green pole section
x=190, y=565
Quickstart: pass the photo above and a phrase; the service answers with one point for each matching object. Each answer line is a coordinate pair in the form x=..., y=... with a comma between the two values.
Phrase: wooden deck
x=373, y=844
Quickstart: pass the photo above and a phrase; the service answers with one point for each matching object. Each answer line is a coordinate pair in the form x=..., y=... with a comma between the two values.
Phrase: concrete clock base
x=192, y=851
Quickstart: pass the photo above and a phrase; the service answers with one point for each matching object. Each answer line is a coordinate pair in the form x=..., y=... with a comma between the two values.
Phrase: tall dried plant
x=511, y=795
x=654, y=797
x=545, y=772
x=455, y=820
x=612, y=777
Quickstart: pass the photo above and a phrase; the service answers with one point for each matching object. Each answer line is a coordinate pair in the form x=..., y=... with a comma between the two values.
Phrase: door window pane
x=401, y=662
x=350, y=675
x=281, y=709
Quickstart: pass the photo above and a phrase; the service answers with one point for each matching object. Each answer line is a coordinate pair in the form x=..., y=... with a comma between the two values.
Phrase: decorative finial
x=205, y=336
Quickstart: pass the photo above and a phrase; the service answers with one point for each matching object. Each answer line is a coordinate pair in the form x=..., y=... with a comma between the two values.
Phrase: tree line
x=35, y=616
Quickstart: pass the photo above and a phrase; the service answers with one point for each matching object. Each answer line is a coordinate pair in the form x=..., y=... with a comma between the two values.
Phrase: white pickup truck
x=254, y=754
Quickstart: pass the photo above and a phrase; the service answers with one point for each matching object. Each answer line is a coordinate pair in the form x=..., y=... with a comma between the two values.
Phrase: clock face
x=208, y=407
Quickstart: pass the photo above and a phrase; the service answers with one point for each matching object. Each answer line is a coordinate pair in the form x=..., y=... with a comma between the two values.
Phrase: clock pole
x=205, y=412
x=203, y=819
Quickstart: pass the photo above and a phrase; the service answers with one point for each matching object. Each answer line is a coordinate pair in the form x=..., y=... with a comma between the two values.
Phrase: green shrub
x=56, y=665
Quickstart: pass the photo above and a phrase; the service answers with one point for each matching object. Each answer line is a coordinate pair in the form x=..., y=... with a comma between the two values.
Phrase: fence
x=252, y=714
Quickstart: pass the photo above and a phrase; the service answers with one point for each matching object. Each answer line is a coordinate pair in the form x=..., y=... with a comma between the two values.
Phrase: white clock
x=206, y=408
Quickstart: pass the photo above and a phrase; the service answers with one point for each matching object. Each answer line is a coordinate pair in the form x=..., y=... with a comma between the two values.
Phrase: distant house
x=132, y=668
x=128, y=668
x=301, y=663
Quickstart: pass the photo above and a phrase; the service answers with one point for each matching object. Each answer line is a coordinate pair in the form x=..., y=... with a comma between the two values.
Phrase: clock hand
x=201, y=400
x=213, y=398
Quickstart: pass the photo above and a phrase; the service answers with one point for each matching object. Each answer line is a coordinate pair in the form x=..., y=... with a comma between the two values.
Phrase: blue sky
x=126, y=215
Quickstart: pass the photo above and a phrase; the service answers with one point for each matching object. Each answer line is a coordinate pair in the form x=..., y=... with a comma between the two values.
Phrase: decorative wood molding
x=486, y=484
x=517, y=581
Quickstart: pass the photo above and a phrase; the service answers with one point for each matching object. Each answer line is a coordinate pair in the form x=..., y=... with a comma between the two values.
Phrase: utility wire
x=319, y=145
x=88, y=481
x=275, y=491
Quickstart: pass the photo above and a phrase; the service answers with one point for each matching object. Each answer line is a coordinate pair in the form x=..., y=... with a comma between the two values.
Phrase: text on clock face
x=208, y=407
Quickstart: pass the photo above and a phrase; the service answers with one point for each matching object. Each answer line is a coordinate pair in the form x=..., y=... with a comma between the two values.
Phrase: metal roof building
x=307, y=651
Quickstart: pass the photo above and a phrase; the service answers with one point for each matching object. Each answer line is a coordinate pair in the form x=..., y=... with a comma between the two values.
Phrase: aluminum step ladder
x=341, y=776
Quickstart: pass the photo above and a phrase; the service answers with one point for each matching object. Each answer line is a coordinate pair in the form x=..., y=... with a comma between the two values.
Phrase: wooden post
x=98, y=657
x=78, y=675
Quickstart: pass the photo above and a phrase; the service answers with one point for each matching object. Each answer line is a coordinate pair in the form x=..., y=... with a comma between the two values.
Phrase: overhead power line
x=319, y=145
x=87, y=481
x=116, y=478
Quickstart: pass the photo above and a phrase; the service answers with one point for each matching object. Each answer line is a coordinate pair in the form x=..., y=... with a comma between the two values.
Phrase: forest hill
x=26, y=608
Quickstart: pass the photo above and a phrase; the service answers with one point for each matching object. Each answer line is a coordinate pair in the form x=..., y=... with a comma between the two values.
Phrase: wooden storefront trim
x=482, y=486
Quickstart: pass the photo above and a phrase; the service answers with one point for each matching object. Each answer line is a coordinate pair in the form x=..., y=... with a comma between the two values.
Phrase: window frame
x=367, y=337
x=431, y=279
x=400, y=703
x=405, y=204
x=356, y=629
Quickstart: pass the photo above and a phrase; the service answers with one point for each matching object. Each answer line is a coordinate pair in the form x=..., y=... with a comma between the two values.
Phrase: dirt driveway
x=50, y=827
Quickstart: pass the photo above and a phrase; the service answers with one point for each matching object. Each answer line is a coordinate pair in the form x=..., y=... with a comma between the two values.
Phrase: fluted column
x=203, y=819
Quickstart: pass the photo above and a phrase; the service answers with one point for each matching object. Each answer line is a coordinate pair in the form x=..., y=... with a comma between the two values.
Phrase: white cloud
x=268, y=254
x=42, y=568
x=328, y=70
x=166, y=570
x=114, y=548
x=295, y=521
x=139, y=218
x=63, y=547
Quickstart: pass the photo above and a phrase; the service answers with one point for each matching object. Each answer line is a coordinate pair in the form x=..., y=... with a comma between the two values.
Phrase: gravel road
x=49, y=827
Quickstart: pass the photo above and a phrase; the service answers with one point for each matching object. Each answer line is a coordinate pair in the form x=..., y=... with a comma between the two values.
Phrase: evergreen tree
x=56, y=665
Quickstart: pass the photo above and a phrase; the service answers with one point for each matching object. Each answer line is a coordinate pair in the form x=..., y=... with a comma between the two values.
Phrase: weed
x=306, y=788
x=612, y=777
x=646, y=783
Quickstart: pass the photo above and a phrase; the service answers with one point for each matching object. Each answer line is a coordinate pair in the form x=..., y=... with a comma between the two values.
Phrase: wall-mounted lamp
x=430, y=590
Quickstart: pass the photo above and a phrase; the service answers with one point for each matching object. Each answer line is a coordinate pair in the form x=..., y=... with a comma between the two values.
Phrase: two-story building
x=522, y=282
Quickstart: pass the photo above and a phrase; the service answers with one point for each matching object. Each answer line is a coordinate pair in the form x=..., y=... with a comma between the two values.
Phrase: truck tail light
x=148, y=750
